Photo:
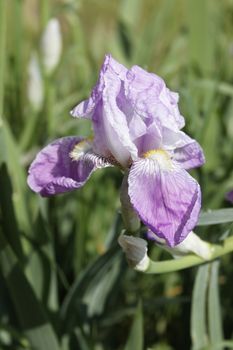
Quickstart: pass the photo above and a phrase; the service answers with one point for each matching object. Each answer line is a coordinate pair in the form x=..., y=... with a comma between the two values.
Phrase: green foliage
x=64, y=283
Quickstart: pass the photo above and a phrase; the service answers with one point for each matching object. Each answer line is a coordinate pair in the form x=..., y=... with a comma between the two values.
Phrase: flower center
x=81, y=148
x=162, y=157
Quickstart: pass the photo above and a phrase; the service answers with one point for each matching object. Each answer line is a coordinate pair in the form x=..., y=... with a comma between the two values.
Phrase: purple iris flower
x=137, y=127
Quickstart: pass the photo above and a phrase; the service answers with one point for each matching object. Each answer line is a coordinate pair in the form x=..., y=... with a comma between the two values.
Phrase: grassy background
x=63, y=282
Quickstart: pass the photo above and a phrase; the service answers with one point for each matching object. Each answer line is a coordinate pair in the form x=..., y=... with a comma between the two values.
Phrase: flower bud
x=51, y=45
x=136, y=251
x=35, y=89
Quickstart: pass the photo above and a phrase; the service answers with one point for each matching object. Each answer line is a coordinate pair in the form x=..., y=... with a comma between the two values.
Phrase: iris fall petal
x=55, y=171
x=166, y=198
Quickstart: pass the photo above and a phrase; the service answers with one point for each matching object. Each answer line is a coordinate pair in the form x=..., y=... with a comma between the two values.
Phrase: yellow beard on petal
x=162, y=157
x=81, y=148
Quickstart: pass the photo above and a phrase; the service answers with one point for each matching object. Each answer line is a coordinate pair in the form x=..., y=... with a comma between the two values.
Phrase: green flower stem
x=189, y=260
x=129, y=216
x=29, y=130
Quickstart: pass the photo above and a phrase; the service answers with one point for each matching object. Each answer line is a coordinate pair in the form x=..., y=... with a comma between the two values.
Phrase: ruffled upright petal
x=151, y=99
x=115, y=122
x=64, y=165
x=86, y=108
x=166, y=198
x=111, y=130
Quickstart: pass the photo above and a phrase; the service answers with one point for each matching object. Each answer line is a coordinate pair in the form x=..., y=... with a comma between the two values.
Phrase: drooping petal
x=187, y=151
x=64, y=165
x=166, y=198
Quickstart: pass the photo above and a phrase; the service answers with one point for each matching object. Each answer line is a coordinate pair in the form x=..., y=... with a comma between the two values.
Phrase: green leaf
x=83, y=282
x=210, y=139
x=41, y=263
x=78, y=340
x=101, y=285
x=9, y=223
x=135, y=339
x=31, y=316
x=18, y=177
x=214, y=217
x=214, y=308
x=198, y=309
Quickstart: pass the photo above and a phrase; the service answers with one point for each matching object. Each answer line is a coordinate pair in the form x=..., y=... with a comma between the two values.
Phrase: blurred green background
x=64, y=283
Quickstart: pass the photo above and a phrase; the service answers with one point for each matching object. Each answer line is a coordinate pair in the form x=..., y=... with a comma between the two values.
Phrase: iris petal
x=187, y=151
x=55, y=170
x=166, y=198
x=150, y=98
x=110, y=124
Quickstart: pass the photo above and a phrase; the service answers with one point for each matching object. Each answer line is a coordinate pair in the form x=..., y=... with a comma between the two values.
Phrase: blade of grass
x=214, y=217
x=18, y=178
x=135, y=339
x=198, y=309
x=214, y=309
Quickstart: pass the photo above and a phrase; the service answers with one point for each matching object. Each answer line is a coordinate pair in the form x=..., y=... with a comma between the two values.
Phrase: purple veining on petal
x=186, y=151
x=86, y=108
x=53, y=171
x=136, y=120
x=189, y=156
x=167, y=200
x=149, y=96
x=151, y=236
x=110, y=123
x=115, y=122
x=151, y=140
x=123, y=105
